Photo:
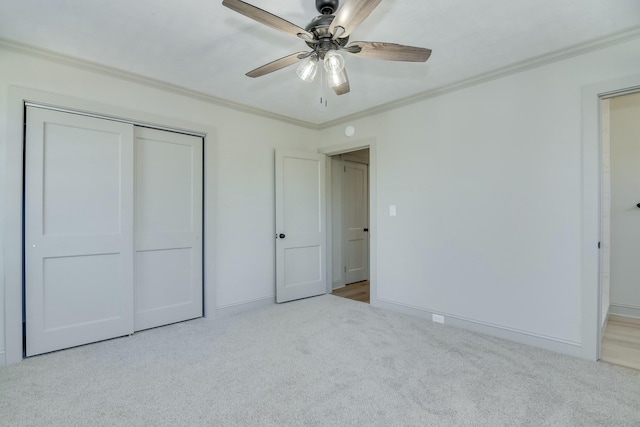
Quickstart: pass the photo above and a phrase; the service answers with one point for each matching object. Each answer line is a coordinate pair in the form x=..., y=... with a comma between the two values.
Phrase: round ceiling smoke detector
x=349, y=131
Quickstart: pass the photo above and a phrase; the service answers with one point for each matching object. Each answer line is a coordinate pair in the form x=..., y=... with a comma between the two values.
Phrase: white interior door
x=168, y=227
x=356, y=222
x=78, y=230
x=300, y=225
x=625, y=205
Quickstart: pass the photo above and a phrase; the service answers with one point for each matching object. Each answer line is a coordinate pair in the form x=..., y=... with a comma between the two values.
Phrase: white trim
x=113, y=119
x=371, y=144
x=3, y=358
x=520, y=336
x=625, y=310
x=591, y=217
x=13, y=254
x=360, y=144
x=337, y=284
x=243, y=306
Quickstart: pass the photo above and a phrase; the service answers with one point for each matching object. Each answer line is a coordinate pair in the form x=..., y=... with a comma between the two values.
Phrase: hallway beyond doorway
x=358, y=291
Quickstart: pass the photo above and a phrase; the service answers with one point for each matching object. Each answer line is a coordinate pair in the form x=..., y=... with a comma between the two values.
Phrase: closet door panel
x=78, y=230
x=168, y=224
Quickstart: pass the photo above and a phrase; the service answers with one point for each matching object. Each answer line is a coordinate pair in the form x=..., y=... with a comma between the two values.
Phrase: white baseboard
x=605, y=319
x=337, y=284
x=625, y=310
x=524, y=337
x=241, y=307
x=3, y=358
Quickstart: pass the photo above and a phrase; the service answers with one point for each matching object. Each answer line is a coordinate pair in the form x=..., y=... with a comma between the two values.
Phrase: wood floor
x=621, y=342
x=356, y=291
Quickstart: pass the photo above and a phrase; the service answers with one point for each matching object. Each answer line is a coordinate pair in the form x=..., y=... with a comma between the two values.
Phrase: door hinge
x=598, y=245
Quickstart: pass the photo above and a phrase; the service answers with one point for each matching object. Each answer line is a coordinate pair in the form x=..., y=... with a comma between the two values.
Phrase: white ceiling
x=205, y=47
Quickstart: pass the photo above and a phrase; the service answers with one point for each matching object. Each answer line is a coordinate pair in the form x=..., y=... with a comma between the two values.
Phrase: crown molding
x=22, y=48
x=538, y=61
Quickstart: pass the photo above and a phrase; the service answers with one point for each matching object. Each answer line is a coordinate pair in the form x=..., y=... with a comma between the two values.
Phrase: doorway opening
x=620, y=230
x=350, y=222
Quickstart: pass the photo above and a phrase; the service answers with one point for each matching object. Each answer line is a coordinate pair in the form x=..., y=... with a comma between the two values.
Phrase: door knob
x=282, y=236
x=638, y=205
x=366, y=229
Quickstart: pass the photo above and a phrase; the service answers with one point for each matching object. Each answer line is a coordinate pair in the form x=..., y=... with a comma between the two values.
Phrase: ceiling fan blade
x=344, y=87
x=267, y=18
x=389, y=51
x=278, y=64
x=350, y=16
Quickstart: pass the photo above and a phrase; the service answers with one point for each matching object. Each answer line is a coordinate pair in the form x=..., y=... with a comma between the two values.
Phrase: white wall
x=488, y=229
x=244, y=165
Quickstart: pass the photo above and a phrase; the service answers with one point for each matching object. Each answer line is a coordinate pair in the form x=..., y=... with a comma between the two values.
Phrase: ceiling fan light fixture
x=327, y=35
x=336, y=79
x=333, y=62
x=307, y=69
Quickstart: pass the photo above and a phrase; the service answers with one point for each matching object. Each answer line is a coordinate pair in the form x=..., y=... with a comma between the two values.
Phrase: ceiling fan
x=327, y=35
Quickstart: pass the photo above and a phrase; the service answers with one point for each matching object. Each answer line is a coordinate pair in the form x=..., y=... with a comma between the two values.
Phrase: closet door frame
x=12, y=207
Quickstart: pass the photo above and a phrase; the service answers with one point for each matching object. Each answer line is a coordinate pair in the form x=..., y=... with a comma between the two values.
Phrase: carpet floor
x=324, y=361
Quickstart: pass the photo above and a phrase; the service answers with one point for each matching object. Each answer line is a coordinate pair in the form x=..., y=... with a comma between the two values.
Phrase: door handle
x=282, y=236
x=366, y=230
x=638, y=205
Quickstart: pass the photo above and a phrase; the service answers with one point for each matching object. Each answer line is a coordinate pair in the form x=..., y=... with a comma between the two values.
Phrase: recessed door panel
x=355, y=255
x=164, y=173
x=91, y=185
x=80, y=290
x=302, y=265
x=301, y=196
x=161, y=276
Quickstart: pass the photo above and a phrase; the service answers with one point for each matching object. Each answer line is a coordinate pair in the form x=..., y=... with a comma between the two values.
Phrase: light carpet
x=323, y=361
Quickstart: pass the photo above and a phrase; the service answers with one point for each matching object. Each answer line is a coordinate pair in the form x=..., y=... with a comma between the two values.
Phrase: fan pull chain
x=324, y=101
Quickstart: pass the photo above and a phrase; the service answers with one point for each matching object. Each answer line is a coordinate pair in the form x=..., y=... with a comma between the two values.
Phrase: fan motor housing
x=319, y=27
x=327, y=7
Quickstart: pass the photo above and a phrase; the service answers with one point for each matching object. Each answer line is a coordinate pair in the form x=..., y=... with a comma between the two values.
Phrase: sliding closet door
x=78, y=230
x=168, y=228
